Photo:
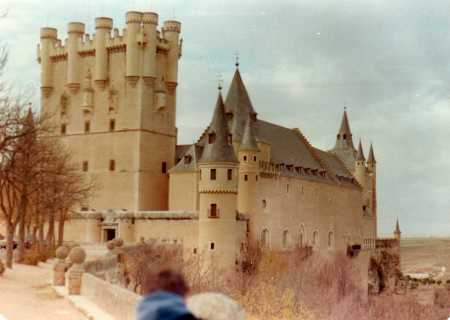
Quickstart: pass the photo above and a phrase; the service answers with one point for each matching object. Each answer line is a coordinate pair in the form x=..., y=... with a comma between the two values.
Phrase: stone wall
x=118, y=302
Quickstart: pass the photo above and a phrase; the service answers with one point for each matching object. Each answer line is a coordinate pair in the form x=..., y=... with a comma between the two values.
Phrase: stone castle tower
x=218, y=188
x=112, y=97
x=363, y=170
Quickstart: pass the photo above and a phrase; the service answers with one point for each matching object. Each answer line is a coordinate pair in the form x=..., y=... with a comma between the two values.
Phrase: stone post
x=77, y=256
x=60, y=267
x=118, y=244
x=110, y=245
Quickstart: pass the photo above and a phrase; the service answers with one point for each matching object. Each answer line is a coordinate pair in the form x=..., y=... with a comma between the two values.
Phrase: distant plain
x=426, y=255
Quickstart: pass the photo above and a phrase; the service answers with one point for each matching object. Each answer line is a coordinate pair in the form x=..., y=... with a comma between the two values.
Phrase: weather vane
x=236, y=55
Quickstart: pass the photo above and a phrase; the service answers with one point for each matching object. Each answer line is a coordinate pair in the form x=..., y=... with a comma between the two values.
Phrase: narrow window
x=63, y=129
x=285, y=239
x=164, y=167
x=112, y=165
x=195, y=250
x=211, y=138
x=212, y=246
x=245, y=158
x=287, y=188
x=330, y=239
x=256, y=178
x=85, y=166
x=112, y=125
x=254, y=158
x=84, y=209
x=213, y=211
x=265, y=238
x=213, y=174
x=264, y=203
x=245, y=177
x=87, y=126
x=230, y=174
x=230, y=138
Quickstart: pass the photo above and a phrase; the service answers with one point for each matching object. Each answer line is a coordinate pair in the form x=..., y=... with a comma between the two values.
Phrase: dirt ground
x=26, y=294
x=426, y=255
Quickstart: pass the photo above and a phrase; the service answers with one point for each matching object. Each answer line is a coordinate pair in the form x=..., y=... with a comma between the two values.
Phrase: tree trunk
x=61, y=228
x=41, y=245
x=51, y=232
x=22, y=220
x=9, y=245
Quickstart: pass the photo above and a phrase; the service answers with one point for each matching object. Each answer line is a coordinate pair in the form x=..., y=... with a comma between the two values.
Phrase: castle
x=113, y=100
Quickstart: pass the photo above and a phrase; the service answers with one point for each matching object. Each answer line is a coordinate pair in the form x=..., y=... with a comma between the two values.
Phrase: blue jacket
x=163, y=305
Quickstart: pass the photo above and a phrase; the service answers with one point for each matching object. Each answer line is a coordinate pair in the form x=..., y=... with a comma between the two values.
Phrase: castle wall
x=183, y=191
x=301, y=206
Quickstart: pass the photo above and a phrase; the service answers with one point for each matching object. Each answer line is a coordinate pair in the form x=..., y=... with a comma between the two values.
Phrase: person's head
x=165, y=280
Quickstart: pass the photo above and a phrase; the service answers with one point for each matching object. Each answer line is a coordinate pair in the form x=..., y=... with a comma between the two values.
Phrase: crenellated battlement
x=172, y=26
x=76, y=27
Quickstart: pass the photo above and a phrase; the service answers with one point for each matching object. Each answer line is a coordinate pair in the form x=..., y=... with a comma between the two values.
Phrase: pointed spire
x=344, y=136
x=238, y=103
x=249, y=140
x=360, y=154
x=218, y=147
x=371, y=157
x=397, y=228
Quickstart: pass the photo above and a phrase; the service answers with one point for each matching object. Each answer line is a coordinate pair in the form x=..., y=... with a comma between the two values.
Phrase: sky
x=387, y=61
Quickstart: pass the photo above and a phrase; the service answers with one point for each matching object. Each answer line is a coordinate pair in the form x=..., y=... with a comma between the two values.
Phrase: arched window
x=330, y=239
x=301, y=237
x=315, y=238
x=265, y=238
x=264, y=203
x=285, y=239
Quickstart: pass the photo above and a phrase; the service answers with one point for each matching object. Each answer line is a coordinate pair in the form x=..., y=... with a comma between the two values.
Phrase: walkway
x=25, y=293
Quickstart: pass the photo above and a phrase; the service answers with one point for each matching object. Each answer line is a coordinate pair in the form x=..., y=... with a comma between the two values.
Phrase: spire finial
x=236, y=55
x=220, y=81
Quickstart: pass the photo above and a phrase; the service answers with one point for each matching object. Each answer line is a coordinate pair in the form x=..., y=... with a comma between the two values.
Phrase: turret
x=217, y=236
x=249, y=154
x=150, y=21
x=171, y=32
x=397, y=232
x=344, y=138
x=76, y=32
x=134, y=21
x=360, y=166
x=371, y=162
x=344, y=147
x=103, y=27
x=48, y=39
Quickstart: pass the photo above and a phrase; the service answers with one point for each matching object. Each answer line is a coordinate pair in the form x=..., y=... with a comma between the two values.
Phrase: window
x=230, y=174
x=245, y=158
x=212, y=174
x=265, y=238
x=256, y=177
x=164, y=167
x=285, y=239
x=85, y=166
x=212, y=245
x=112, y=165
x=63, y=129
x=211, y=138
x=213, y=211
x=330, y=239
x=264, y=203
x=245, y=177
x=316, y=238
x=195, y=250
x=84, y=209
x=112, y=125
x=230, y=138
x=87, y=126
x=300, y=240
x=254, y=158
x=287, y=188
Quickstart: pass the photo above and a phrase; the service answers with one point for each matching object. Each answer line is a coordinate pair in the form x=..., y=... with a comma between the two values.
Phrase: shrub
x=31, y=257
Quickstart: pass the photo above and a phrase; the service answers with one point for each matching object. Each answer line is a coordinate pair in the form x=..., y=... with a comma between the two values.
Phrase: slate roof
x=360, y=154
x=288, y=146
x=220, y=150
x=249, y=139
x=371, y=157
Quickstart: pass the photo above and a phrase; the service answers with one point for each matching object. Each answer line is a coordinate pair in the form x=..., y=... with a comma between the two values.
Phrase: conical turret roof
x=218, y=148
x=371, y=157
x=397, y=228
x=249, y=139
x=360, y=154
x=238, y=103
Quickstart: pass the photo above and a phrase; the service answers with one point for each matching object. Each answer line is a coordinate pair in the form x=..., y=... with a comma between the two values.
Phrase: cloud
x=302, y=61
